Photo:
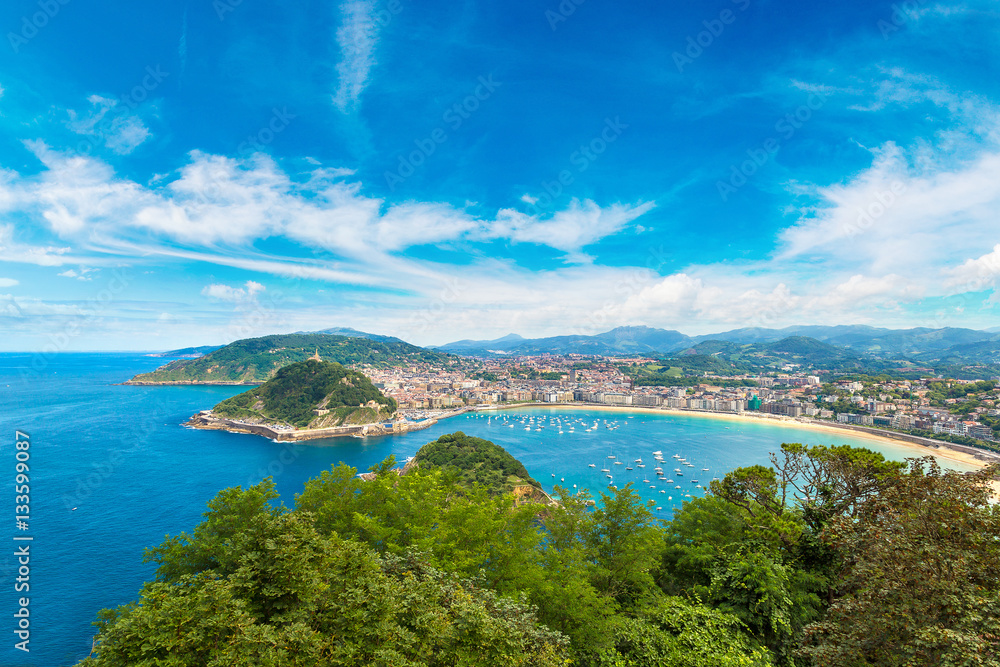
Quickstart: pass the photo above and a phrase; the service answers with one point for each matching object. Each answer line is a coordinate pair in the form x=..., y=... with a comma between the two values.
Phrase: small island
x=481, y=462
x=308, y=400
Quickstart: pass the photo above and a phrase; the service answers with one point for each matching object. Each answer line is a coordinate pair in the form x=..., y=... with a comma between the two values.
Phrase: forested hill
x=295, y=392
x=255, y=360
x=479, y=462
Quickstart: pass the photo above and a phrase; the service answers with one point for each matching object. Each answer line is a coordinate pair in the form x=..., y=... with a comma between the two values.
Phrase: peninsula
x=306, y=400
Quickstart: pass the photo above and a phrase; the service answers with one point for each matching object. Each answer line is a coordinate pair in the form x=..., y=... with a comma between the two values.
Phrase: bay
x=113, y=471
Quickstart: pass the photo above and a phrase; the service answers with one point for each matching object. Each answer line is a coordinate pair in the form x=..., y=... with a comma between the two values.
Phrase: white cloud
x=569, y=230
x=81, y=274
x=357, y=38
x=244, y=294
x=110, y=122
x=9, y=282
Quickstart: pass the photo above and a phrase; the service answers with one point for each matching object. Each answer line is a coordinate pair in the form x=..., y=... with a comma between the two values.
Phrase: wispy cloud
x=357, y=38
x=245, y=294
x=108, y=122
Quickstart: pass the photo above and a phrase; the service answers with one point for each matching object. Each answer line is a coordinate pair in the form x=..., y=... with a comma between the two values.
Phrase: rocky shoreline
x=206, y=420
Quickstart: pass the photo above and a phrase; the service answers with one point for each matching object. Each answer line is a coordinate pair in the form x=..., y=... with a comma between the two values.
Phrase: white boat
x=591, y=465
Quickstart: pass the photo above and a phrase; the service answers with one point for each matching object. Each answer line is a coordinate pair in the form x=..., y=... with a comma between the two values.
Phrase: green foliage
x=680, y=633
x=255, y=360
x=477, y=461
x=922, y=566
x=295, y=391
x=831, y=556
x=290, y=596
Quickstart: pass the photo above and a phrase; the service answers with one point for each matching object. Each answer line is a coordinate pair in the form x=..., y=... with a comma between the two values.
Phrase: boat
x=628, y=468
x=605, y=470
x=591, y=465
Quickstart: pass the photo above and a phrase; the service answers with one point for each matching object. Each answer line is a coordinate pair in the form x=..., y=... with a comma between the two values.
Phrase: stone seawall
x=208, y=421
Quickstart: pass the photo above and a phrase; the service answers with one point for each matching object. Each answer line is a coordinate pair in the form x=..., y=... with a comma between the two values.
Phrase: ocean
x=113, y=471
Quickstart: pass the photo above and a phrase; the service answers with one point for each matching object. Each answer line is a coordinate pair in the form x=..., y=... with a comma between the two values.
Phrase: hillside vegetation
x=829, y=557
x=292, y=395
x=254, y=360
x=477, y=461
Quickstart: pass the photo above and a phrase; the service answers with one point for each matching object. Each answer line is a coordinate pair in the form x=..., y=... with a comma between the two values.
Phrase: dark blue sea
x=113, y=471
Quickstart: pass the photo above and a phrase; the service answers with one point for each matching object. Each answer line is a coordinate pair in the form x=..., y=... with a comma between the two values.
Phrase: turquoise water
x=120, y=456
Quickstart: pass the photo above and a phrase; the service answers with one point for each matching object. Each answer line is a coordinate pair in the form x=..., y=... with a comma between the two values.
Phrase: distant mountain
x=506, y=343
x=255, y=360
x=354, y=333
x=865, y=338
x=957, y=345
x=189, y=352
x=617, y=342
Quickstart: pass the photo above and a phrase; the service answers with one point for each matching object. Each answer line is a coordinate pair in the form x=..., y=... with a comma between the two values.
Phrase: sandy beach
x=942, y=451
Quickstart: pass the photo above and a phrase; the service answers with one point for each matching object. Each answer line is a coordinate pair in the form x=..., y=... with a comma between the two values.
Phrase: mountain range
x=945, y=345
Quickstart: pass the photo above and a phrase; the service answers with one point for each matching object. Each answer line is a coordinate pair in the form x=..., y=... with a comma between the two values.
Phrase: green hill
x=478, y=461
x=255, y=360
x=297, y=391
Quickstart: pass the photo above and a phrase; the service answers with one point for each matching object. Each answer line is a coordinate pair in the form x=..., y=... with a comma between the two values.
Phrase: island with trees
x=304, y=400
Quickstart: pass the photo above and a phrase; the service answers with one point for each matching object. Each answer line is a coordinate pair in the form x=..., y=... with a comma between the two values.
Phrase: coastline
x=207, y=421
x=187, y=383
x=941, y=449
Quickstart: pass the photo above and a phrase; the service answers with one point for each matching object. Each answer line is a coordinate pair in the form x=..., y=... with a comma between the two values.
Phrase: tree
x=290, y=596
x=922, y=581
x=625, y=544
x=680, y=633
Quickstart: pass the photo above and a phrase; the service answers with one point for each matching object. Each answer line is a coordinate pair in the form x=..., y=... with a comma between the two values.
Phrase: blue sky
x=195, y=172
